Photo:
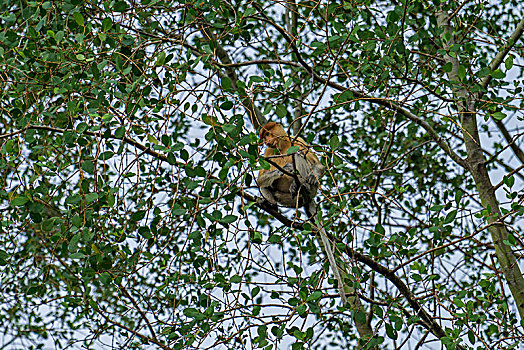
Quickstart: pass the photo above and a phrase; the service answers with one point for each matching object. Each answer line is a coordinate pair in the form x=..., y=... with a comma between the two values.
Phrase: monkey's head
x=273, y=135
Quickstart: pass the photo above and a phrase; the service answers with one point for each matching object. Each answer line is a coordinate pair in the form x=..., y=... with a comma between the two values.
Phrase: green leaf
x=436, y=207
x=73, y=243
x=209, y=120
x=76, y=220
x=138, y=215
x=77, y=256
x=447, y=67
x=226, y=83
x=200, y=171
x=226, y=105
x=301, y=310
x=19, y=201
x=160, y=59
x=391, y=332
x=236, y=279
x=509, y=181
x=498, y=115
x=120, y=6
x=171, y=159
x=471, y=337
x=256, y=79
x=281, y=111
x=106, y=155
x=416, y=277
x=461, y=72
x=93, y=304
x=314, y=296
x=59, y=36
x=509, y=62
x=4, y=257
x=292, y=149
x=145, y=232
x=105, y=278
x=48, y=225
x=380, y=229
x=107, y=23
x=458, y=302
x=153, y=140
x=458, y=196
x=73, y=199
x=91, y=197
x=256, y=238
x=274, y=238
x=450, y=217
x=229, y=219
x=229, y=128
x=334, y=142
x=498, y=74
x=249, y=11
x=81, y=127
x=194, y=313
x=297, y=345
x=88, y=166
x=79, y=19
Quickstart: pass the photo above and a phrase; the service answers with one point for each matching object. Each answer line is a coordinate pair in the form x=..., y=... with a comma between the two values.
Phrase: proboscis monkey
x=279, y=187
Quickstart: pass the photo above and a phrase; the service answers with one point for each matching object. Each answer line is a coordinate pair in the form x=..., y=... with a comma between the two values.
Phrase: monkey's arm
x=316, y=169
x=265, y=182
x=308, y=170
x=274, y=186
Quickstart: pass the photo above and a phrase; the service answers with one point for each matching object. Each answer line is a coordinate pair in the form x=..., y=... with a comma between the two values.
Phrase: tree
x=129, y=151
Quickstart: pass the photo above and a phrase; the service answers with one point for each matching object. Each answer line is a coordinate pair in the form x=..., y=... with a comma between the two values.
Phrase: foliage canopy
x=128, y=159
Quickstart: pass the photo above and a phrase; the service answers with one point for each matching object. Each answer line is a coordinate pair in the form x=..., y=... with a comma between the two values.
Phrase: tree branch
x=126, y=139
x=264, y=61
x=511, y=142
x=497, y=60
x=255, y=115
x=499, y=57
x=390, y=275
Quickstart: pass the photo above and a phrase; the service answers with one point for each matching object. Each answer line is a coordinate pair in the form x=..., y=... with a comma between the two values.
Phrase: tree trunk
x=476, y=163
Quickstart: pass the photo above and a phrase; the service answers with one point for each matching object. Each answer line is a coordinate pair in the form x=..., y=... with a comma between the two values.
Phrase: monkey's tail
x=311, y=209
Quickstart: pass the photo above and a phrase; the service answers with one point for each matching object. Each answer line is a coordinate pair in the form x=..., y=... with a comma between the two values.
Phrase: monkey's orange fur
x=276, y=186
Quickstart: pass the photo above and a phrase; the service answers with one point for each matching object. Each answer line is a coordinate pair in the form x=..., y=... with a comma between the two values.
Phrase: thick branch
x=509, y=139
x=255, y=115
x=429, y=322
x=493, y=158
x=499, y=57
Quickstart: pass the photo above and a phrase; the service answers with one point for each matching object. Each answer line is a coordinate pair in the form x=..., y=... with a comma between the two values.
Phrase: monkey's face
x=271, y=140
